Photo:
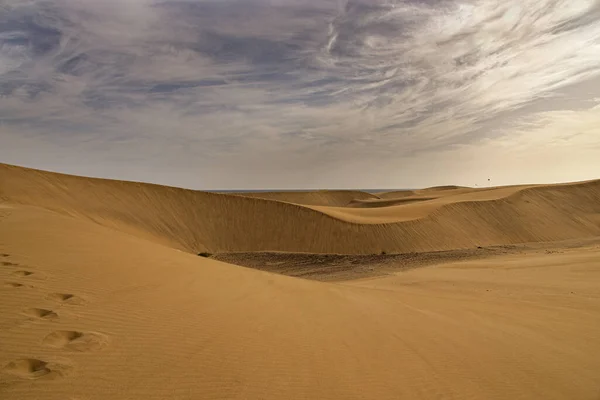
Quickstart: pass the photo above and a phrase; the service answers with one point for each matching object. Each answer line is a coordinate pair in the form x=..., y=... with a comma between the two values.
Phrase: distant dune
x=98, y=300
x=376, y=203
x=199, y=221
x=339, y=198
x=397, y=194
x=441, y=188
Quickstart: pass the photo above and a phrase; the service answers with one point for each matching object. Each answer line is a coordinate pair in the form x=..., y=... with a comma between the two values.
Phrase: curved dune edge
x=336, y=198
x=197, y=221
x=376, y=203
x=386, y=211
x=435, y=191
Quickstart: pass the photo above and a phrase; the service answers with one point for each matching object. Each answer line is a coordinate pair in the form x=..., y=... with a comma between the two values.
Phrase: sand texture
x=102, y=295
x=198, y=221
x=339, y=198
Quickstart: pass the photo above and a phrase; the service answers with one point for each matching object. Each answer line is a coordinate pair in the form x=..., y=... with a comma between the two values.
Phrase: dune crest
x=335, y=198
x=197, y=221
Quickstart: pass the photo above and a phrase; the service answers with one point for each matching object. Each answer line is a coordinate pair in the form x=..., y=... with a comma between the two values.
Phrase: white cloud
x=325, y=87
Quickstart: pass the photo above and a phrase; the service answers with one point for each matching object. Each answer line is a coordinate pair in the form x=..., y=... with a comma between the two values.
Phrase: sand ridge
x=334, y=198
x=197, y=221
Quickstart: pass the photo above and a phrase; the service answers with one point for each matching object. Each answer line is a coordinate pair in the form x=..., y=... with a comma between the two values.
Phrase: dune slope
x=87, y=312
x=336, y=198
x=197, y=221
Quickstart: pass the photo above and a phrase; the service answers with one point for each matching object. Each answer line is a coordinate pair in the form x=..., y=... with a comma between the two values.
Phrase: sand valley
x=441, y=293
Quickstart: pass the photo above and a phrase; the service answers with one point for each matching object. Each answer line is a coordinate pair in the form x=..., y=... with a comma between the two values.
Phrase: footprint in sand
x=4, y=255
x=40, y=313
x=22, y=273
x=66, y=298
x=76, y=340
x=16, y=285
x=32, y=368
x=8, y=264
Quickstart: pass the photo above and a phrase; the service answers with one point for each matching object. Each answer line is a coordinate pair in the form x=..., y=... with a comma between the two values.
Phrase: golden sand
x=102, y=295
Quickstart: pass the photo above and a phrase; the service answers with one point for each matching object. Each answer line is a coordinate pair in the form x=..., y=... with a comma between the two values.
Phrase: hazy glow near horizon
x=252, y=94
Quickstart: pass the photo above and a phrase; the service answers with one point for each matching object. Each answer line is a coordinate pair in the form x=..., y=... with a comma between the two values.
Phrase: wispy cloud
x=269, y=88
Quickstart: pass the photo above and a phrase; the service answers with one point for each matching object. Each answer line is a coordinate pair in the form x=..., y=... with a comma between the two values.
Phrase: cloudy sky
x=247, y=94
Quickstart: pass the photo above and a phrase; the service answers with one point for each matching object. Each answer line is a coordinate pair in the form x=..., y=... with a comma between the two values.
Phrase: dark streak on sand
x=344, y=267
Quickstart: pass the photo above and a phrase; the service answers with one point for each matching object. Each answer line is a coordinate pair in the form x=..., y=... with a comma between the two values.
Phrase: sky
x=292, y=94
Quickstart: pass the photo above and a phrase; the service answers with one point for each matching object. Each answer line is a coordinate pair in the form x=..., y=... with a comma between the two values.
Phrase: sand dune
x=157, y=323
x=197, y=221
x=376, y=203
x=339, y=198
x=442, y=188
x=396, y=194
x=436, y=191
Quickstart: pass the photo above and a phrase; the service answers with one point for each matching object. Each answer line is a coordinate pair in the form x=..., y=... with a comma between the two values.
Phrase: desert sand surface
x=481, y=294
x=195, y=221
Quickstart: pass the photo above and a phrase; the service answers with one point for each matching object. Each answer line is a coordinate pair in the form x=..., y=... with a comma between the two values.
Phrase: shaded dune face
x=376, y=203
x=334, y=198
x=430, y=220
